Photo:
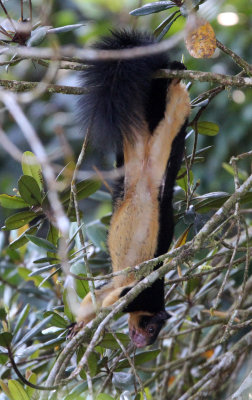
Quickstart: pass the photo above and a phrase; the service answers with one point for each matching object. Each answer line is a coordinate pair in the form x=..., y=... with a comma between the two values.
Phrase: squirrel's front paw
x=74, y=328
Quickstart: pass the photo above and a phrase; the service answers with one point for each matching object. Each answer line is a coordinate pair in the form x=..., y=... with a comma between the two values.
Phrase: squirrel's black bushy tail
x=123, y=96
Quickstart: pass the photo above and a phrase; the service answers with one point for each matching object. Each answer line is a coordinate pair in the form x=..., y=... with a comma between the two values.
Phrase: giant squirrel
x=144, y=119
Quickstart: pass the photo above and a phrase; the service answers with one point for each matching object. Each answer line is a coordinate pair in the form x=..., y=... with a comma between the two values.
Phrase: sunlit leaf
x=182, y=239
x=183, y=182
x=82, y=287
x=6, y=390
x=104, y=396
x=17, y=391
x=13, y=202
x=32, y=379
x=22, y=239
x=207, y=128
x=243, y=175
x=31, y=167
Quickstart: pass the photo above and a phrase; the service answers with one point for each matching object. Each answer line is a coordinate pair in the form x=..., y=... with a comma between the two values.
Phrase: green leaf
x=82, y=287
x=100, y=195
x=104, y=396
x=53, y=235
x=41, y=270
x=19, y=219
x=5, y=339
x=209, y=201
x=17, y=391
x=164, y=27
x=3, y=314
x=26, y=275
x=22, y=317
x=207, y=128
x=6, y=389
x=243, y=175
x=152, y=8
x=67, y=301
x=29, y=190
x=13, y=202
x=56, y=320
x=31, y=167
x=67, y=28
x=97, y=233
x=44, y=260
x=38, y=36
x=32, y=379
x=109, y=342
x=139, y=359
x=182, y=182
x=77, y=391
x=83, y=190
x=42, y=243
x=49, y=276
x=93, y=364
x=105, y=220
x=36, y=329
x=3, y=358
x=22, y=239
x=191, y=285
x=215, y=200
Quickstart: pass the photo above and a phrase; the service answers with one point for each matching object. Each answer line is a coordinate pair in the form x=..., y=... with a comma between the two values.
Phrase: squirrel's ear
x=163, y=315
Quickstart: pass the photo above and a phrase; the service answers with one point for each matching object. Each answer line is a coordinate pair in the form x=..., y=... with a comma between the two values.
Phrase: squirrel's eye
x=151, y=330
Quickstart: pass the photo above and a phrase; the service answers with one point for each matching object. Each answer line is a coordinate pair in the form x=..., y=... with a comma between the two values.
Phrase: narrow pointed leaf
x=42, y=243
x=57, y=320
x=36, y=329
x=41, y=270
x=66, y=28
x=22, y=317
x=162, y=28
x=152, y=8
x=22, y=239
x=83, y=189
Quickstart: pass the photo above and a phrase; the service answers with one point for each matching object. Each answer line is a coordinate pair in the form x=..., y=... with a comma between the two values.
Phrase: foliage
x=44, y=273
